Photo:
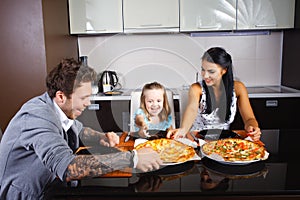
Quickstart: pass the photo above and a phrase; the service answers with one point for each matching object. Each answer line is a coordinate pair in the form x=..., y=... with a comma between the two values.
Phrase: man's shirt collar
x=65, y=121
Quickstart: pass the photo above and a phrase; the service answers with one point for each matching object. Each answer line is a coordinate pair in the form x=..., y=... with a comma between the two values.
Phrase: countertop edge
x=273, y=95
x=177, y=95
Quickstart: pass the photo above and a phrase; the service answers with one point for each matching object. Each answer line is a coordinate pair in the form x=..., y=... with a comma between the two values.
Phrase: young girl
x=154, y=112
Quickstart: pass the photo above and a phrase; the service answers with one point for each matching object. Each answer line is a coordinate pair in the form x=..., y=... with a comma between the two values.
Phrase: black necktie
x=72, y=139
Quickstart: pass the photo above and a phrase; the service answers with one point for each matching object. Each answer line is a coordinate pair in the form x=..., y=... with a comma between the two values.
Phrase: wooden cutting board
x=123, y=146
x=126, y=173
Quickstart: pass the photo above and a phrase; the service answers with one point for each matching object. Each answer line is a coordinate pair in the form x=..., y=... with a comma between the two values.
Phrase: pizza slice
x=170, y=151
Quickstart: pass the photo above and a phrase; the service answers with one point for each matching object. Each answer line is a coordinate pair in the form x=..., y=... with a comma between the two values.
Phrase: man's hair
x=67, y=76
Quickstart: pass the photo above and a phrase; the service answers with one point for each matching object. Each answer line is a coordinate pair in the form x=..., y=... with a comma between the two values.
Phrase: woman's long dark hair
x=219, y=56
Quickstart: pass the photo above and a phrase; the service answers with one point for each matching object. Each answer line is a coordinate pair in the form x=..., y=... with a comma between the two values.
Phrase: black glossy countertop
x=277, y=178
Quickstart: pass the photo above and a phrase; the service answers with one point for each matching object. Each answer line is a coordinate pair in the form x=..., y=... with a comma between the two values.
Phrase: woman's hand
x=176, y=133
x=254, y=133
x=111, y=139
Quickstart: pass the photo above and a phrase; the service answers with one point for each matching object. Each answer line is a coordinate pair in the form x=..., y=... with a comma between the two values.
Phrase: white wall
x=174, y=59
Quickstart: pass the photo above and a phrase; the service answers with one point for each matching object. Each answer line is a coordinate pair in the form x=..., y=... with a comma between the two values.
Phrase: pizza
x=169, y=150
x=233, y=149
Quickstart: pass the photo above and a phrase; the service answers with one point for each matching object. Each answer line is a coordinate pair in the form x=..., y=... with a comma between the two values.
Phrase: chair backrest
x=135, y=104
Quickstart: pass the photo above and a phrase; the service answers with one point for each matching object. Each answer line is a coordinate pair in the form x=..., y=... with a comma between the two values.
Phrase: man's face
x=79, y=100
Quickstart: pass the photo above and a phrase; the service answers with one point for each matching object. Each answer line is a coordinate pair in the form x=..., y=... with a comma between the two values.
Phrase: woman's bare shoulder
x=239, y=87
x=196, y=88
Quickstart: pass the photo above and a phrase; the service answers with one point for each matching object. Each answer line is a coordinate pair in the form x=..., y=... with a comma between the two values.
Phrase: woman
x=213, y=102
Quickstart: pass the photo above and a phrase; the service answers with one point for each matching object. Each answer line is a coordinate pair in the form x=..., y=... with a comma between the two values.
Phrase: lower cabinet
x=107, y=116
x=273, y=113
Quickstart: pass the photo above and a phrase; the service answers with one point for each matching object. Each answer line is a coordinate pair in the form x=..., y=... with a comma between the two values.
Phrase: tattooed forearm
x=90, y=135
x=84, y=166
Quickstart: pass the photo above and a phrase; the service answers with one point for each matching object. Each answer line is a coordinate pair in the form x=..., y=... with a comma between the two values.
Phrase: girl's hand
x=141, y=124
x=254, y=133
x=143, y=132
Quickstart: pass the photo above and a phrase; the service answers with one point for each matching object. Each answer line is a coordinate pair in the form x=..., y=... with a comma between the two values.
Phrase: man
x=38, y=144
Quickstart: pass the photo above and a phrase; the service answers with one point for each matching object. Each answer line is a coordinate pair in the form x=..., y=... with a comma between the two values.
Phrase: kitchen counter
x=272, y=91
x=254, y=92
x=275, y=178
x=126, y=95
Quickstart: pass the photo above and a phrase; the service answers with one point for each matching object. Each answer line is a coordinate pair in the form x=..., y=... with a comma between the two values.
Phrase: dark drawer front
x=274, y=113
x=107, y=115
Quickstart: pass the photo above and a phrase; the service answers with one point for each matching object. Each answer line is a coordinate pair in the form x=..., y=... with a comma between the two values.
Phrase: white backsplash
x=174, y=59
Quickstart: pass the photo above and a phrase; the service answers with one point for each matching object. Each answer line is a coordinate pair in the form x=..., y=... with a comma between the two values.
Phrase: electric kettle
x=108, y=81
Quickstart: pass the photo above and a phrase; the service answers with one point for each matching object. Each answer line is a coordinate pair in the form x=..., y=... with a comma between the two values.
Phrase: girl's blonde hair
x=166, y=111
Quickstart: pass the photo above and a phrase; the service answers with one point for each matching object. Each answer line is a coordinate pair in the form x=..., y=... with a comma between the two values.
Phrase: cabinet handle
x=208, y=27
x=271, y=103
x=99, y=30
x=150, y=25
x=265, y=25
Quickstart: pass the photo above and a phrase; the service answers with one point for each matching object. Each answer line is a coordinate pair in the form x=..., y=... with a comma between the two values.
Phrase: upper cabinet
x=207, y=15
x=151, y=15
x=146, y=16
x=95, y=16
x=265, y=14
x=217, y=15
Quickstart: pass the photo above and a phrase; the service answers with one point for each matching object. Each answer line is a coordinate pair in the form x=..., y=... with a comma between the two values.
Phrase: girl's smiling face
x=212, y=73
x=154, y=100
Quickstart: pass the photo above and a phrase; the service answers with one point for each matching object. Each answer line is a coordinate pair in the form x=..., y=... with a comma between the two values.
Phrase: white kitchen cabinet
x=219, y=15
x=265, y=14
x=151, y=15
x=95, y=16
x=207, y=15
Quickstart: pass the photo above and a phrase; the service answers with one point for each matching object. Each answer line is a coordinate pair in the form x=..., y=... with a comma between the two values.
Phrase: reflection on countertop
x=276, y=176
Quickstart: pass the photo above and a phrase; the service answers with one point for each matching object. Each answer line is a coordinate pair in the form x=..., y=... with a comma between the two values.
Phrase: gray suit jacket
x=33, y=150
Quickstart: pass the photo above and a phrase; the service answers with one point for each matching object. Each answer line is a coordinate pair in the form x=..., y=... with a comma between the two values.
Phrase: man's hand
x=111, y=140
x=148, y=160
